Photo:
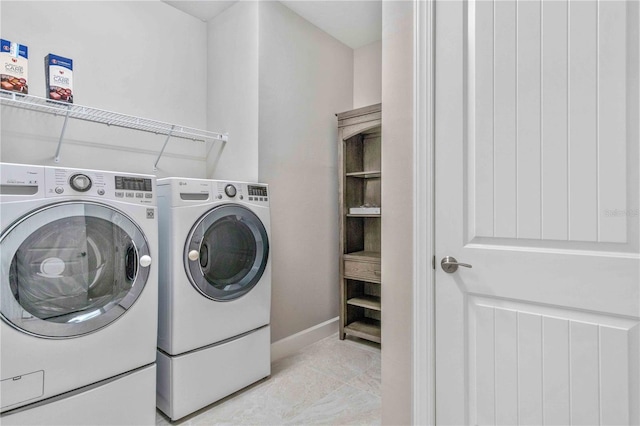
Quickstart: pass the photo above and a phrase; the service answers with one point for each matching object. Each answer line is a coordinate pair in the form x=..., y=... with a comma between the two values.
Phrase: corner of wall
x=232, y=101
x=397, y=241
x=367, y=74
x=305, y=77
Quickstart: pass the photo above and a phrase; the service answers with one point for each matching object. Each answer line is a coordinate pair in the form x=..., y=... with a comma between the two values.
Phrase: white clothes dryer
x=215, y=291
x=78, y=295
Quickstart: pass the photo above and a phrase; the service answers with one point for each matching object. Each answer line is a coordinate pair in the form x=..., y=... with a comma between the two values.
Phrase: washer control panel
x=103, y=185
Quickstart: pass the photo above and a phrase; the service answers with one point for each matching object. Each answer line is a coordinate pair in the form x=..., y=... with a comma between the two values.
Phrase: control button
x=119, y=194
x=59, y=190
x=148, y=195
x=129, y=194
x=230, y=190
x=266, y=199
x=139, y=195
x=261, y=199
x=80, y=182
x=219, y=197
x=100, y=191
x=241, y=197
x=250, y=198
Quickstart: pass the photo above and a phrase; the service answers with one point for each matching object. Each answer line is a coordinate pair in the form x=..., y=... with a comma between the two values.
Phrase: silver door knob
x=450, y=264
x=194, y=255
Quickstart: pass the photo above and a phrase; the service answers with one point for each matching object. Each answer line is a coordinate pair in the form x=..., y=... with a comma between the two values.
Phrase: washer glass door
x=226, y=252
x=70, y=269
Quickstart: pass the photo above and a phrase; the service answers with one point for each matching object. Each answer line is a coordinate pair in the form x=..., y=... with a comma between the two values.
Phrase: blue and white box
x=59, y=73
x=14, y=59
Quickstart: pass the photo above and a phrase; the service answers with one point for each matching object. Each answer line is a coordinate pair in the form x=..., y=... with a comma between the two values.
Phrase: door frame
x=423, y=350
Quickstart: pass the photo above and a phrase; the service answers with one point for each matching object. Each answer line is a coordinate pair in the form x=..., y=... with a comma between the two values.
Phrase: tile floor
x=332, y=381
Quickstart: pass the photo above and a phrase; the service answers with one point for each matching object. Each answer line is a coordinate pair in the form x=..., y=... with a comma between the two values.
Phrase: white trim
x=292, y=344
x=423, y=404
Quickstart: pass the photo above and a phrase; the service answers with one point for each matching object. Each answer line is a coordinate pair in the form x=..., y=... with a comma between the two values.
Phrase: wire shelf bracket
x=166, y=141
x=64, y=129
x=110, y=118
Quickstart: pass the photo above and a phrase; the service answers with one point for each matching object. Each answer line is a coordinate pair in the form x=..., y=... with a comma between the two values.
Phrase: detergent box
x=59, y=78
x=13, y=75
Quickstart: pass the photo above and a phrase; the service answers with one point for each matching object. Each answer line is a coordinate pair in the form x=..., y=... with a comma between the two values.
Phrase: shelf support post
x=155, y=165
x=64, y=129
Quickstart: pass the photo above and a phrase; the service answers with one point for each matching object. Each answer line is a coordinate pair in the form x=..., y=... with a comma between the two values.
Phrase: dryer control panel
x=240, y=191
x=137, y=189
x=191, y=191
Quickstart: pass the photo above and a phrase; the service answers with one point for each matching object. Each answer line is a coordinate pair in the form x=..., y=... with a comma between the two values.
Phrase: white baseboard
x=292, y=344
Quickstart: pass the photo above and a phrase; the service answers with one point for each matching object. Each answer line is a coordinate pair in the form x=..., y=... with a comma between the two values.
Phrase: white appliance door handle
x=194, y=255
x=145, y=261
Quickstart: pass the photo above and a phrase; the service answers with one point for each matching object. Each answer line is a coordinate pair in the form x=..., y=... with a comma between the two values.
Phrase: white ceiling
x=354, y=22
x=202, y=9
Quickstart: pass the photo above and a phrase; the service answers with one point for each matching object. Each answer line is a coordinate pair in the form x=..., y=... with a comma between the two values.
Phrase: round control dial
x=230, y=190
x=80, y=182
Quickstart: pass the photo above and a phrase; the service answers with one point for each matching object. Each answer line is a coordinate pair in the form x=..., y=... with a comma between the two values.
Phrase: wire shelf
x=110, y=118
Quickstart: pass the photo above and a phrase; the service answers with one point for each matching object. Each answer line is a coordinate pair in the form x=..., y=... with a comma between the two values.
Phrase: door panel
x=554, y=113
x=548, y=106
x=536, y=129
x=540, y=362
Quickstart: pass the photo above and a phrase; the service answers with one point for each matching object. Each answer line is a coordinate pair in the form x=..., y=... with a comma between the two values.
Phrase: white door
x=537, y=187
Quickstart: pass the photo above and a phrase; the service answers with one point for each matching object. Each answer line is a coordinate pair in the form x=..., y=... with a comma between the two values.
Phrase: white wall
x=306, y=76
x=397, y=195
x=258, y=71
x=367, y=75
x=233, y=91
x=142, y=58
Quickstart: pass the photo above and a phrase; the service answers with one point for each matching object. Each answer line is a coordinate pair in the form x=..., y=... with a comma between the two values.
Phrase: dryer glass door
x=70, y=269
x=226, y=252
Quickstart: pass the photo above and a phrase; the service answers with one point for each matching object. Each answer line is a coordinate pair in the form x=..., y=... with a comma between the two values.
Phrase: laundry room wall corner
x=305, y=77
x=232, y=94
x=367, y=75
x=397, y=226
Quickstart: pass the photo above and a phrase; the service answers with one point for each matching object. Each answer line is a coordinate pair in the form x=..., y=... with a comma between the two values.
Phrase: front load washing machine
x=215, y=291
x=78, y=296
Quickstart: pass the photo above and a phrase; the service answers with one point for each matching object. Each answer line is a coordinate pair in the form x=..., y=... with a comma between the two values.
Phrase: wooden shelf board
x=363, y=255
x=374, y=174
x=364, y=215
x=366, y=301
x=365, y=328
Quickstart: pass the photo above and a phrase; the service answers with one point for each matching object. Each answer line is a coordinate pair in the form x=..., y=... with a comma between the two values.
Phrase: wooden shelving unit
x=360, y=185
